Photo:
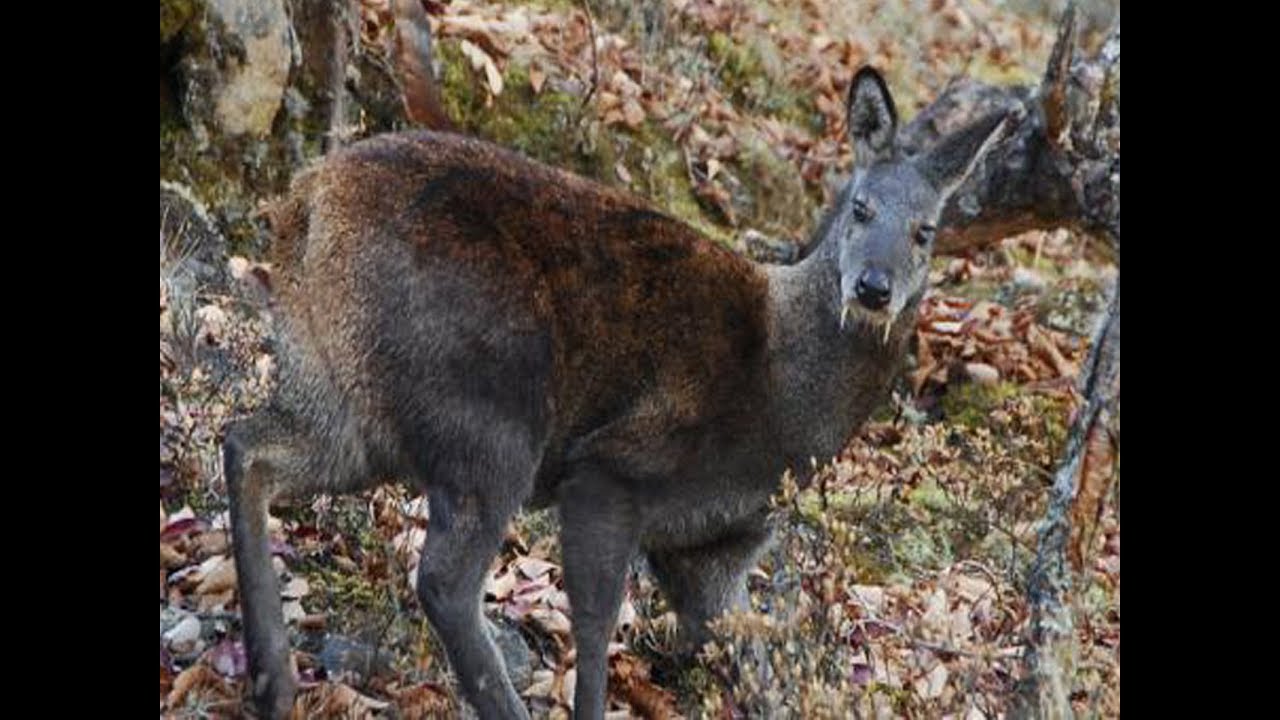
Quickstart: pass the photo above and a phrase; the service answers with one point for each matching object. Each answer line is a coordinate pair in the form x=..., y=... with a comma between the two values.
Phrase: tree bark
x=1050, y=655
x=1061, y=168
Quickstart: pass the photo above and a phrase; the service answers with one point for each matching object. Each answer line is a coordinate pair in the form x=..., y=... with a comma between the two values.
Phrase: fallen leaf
x=178, y=527
x=629, y=678
x=228, y=658
x=170, y=558
x=1097, y=474
x=222, y=576
x=191, y=680
x=533, y=568
x=537, y=76
x=213, y=542
x=425, y=700
x=551, y=621
x=931, y=685
x=632, y=113
x=481, y=61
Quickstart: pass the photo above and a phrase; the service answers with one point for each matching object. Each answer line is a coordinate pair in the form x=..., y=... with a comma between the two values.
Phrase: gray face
x=885, y=236
x=887, y=216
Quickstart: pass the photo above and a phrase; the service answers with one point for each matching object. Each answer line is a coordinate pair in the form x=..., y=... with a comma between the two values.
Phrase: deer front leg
x=705, y=581
x=599, y=538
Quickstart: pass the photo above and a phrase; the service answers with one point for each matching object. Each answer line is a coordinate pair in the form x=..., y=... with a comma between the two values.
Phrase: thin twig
x=595, y=64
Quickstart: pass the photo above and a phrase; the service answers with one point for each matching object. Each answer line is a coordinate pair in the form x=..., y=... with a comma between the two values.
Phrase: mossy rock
x=970, y=404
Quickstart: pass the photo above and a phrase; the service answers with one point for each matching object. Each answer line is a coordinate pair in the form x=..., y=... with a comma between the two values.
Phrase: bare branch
x=1050, y=653
x=595, y=65
x=1053, y=88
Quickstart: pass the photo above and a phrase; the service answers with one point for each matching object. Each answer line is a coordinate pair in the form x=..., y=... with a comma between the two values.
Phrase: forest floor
x=897, y=584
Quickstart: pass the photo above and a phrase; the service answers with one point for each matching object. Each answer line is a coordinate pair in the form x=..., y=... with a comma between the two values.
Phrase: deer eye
x=924, y=235
x=861, y=211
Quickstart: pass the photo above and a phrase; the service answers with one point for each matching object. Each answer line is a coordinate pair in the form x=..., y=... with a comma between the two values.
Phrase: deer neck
x=825, y=380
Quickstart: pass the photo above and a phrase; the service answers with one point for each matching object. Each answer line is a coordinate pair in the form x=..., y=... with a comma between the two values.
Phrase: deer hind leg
x=599, y=538
x=706, y=581
x=470, y=500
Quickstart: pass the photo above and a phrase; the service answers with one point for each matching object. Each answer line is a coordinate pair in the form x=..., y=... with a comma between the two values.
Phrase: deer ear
x=950, y=161
x=873, y=119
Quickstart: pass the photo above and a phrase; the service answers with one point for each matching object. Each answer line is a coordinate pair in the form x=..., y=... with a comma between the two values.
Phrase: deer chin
x=856, y=318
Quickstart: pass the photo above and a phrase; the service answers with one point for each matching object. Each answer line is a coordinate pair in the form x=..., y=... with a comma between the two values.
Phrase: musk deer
x=501, y=333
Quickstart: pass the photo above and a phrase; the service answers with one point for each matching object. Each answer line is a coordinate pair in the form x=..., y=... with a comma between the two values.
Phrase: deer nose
x=873, y=289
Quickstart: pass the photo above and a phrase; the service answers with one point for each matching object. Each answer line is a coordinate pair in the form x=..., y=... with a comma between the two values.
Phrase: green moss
x=919, y=548
x=970, y=404
x=985, y=70
x=544, y=126
x=740, y=66
x=1052, y=412
x=562, y=6
x=174, y=15
x=780, y=204
x=553, y=127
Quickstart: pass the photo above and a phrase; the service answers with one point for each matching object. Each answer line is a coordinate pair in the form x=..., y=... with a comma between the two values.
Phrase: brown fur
x=638, y=305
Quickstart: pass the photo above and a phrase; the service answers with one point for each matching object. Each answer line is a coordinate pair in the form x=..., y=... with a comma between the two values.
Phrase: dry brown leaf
x=215, y=601
x=221, y=577
x=338, y=700
x=541, y=685
x=930, y=686
x=501, y=585
x=213, y=542
x=481, y=61
x=537, y=76
x=632, y=113
x=170, y=557
x=316, y=621
x=551, y=621
x=1047, y=349
x=197, y=678
x=629, y=678
x=1097, y=472
x=424, y=701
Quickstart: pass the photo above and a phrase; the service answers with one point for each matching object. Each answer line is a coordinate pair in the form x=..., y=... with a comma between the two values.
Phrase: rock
x=342, y=656
x=184, y=637
x=1025, y=278
x=192, y=247
x=515, y=653
x=248, y=94
x=982, y=373
x=170, y=617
